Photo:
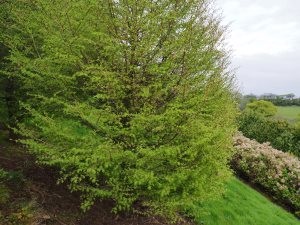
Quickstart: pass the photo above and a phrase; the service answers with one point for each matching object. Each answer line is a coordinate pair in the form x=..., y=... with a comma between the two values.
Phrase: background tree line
x=278, y=100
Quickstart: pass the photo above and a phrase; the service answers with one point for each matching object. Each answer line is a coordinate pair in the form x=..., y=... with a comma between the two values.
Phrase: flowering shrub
x=276, y=171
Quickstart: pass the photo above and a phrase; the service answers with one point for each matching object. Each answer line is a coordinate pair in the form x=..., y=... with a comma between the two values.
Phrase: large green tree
x=130, y=99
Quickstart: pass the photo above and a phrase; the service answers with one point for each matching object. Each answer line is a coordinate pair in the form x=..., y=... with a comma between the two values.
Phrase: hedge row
x=276, y=171
x=280, y=133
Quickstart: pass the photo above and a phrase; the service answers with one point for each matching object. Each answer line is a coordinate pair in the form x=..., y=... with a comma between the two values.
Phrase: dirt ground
x=36, y=199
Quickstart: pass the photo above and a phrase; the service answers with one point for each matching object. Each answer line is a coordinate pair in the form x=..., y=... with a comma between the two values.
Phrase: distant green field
x=288, y=112
x=242, y=205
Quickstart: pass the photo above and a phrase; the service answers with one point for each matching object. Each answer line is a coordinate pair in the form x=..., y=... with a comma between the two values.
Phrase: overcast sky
x=265, y=38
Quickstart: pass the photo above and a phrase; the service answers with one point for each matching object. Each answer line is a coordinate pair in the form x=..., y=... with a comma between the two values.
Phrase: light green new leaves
x=129, y=100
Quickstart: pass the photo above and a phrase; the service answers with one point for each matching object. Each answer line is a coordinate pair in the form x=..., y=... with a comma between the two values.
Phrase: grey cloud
x=258, y=24
x=270, y=74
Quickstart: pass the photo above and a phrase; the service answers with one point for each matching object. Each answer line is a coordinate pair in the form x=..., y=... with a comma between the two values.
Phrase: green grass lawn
x=242, y=205
x=288, y=112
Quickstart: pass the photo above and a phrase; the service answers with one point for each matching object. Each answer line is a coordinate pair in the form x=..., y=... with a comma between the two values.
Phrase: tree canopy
x=130, y=100
x=262, y=107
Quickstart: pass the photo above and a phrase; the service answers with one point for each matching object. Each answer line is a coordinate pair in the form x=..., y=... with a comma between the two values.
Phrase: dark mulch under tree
x=52, y=204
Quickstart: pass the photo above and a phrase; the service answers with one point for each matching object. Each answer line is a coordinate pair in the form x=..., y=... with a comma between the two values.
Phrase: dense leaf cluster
x=4, y=190
x=277, y=172
x=262, y=107
x=280, y=133
x=130, y=100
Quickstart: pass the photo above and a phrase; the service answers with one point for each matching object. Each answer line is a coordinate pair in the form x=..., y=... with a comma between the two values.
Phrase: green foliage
x=4, y=118
x=279, y=101
x=280, y=133
x=277, y=172
x=8, y=96
x=14, y=211
x=11, y=180
x=130, y=100
x=4, y=191
x=262, y=107
x=3, y=106
x=23, y=214
x=3, y=175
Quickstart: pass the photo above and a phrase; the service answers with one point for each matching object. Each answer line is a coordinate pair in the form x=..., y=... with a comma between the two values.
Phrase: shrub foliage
x=130, y=100
x=4, y=191
x=280, y=133
x=276, y=171
x=262, y=107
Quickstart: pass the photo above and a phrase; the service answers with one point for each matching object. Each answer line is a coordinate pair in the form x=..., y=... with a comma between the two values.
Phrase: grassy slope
x=242, y=205
x=288, y=112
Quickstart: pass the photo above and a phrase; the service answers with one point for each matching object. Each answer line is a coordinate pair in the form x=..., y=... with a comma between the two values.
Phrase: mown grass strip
x=242, y=205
